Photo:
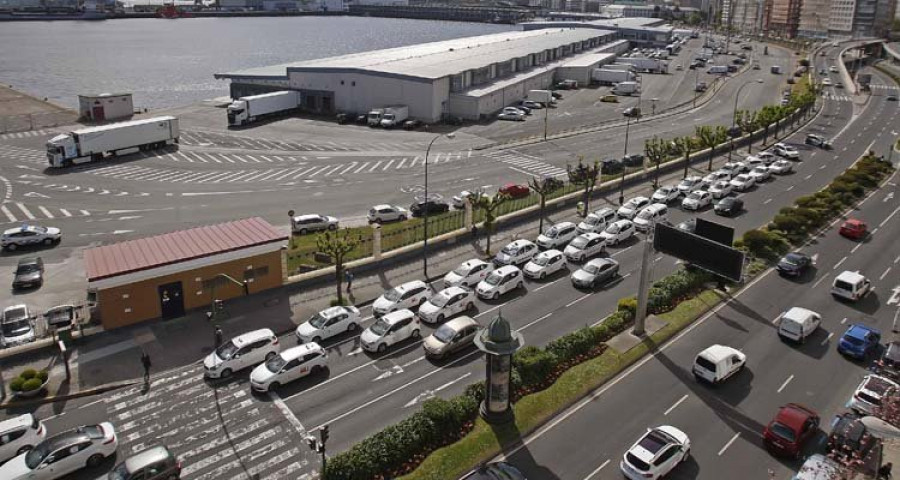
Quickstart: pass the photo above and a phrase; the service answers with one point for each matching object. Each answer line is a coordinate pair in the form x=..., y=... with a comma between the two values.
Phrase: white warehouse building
x=467, y=77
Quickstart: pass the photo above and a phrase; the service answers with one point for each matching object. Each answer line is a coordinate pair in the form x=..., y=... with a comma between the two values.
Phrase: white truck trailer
x=541, y=96
x=96, y=143
x=394, y=116
x=255, y=107
x=650, y=65
x=622, y=67
x=625, y=88
x=609, y=77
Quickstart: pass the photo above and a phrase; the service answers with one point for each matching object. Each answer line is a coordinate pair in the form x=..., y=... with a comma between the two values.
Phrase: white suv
x=408, y=295
x=597, y=221
x=618, y=232
x=545, y=263
x=557, y=235
x=867, y=397
x=303, y=224
x=20, y=434
x=585, y=246
x=516, y=253
x=240, y=352
x=656, y=453
x=786, y=151
x=468, y=273
x=328, y=323
x=64, y=453
x=289, y=365
x=500, y=281
x=390, y=329
x=387, y=213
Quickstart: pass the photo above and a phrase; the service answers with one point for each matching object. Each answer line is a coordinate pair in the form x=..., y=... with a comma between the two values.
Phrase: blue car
x=859, y=341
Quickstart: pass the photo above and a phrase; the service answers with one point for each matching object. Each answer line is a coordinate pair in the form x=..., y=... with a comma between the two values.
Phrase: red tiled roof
x=151, y=252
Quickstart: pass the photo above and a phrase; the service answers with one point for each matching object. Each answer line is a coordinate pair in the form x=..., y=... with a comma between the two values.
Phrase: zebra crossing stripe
x=336, y=168
x=65, y=212
x=349, y=167
x=388, y=165
x=189, y=159
x=211, y=157
x=26, y=211
x=304, y=172
x=269, y=159
x=364, y=165
x=413, y=162
x=256, y=173
x=228, y=176
x=9, y=215
x=203, y=176
x=375, y=166
x=46, y=212
x=400, y=165
x=319, y=171
x=85, y=213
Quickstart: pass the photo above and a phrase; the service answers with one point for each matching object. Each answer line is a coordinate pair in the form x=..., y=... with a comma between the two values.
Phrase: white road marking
x=291, y=418
x=855, y=248
x=65, y=212
x=26, y=211
x=597, y=470
x=388, y=165
x=46, y=212
x=573, y=302
x=785, y=384
x=9, y=215
x=838, y=264
x=675, y=405
x=789, y=188
x=767, y=201
x=889, y=217
x=729, y=443
x=843, y=320
x=807, y=177
x=884, y=274
x=830, y=334
x=819, y=281
x=375, y=166
x=362, y=167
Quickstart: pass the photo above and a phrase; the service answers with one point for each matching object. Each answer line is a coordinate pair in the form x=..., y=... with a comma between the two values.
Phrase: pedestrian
x=145, y=361
x=218, y=335
x=885, y=471
x=348, y=277
x=474, y=232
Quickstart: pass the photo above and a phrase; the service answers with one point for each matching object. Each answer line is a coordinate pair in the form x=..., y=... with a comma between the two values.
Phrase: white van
x=651, y=215
x=717, y=70
x=798, y=323
x=245, y=350
x=717, y=363
x=851, y=286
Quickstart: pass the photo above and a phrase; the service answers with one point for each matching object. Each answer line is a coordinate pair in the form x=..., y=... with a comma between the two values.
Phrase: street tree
x=585, y=176
x=337, y=244
x=707, y=137
x=543, y=186
x=685, y=146
x=656, y=149
x=489, y=204
x=747, y=122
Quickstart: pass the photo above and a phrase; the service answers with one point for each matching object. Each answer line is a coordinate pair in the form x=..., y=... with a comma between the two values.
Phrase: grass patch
x=485, y=442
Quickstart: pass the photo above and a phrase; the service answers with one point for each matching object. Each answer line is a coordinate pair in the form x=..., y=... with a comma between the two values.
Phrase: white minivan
x=500, y=281
x=850, y=286
x=718, y=363
x=651, y=215
x=245, y=350
x=798, y=323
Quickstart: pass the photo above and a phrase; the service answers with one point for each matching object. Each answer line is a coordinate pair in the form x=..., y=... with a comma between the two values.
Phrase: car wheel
x=402, y=218
x=315, y=370
x=24, y=449
x=352, y=327
x=470, y=307
x=12, y=247
x=271, y=355
x=521, y=285
x=440, y=318
x=315, y=340
x=48, y=241
x=495, y=296
x=226, y=373
x=543, y=275
x=381, y=348
x=416, y=334
x=274, y=386
x=94, y=460
x=332, y=227
x=303, y=231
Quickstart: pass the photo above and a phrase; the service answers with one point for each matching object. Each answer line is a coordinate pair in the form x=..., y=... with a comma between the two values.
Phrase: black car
x=495, y=471
x=29, y=273
x=849, y=438
x=889, y=365
x=362, y=119
x=433, y=206
x=633, y=160
x=891, y=98
x=412, y=124
x=611, y=166
x=729, y=206
x=793, y=264
x=342, y=118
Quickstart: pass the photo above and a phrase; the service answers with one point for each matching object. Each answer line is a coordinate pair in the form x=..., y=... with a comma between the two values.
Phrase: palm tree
x=685, y=146
x=655, y=150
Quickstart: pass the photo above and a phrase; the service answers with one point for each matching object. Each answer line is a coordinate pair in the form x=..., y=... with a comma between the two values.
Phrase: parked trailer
x=622, y=67
x=609, y=77
x=651, y=65
x=625, y=88
x=256, y=107
x=541, y=96
x=96, y=143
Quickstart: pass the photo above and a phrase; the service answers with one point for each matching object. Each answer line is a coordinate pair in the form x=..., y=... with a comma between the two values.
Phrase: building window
x=214, y=282
x=258, y=272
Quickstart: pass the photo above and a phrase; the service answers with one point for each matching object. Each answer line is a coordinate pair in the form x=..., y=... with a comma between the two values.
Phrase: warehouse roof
x=437, y=59
x=160, y=250
x=588, y=60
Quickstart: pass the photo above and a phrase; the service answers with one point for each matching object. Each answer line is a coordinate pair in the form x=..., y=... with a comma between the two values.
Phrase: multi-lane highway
x=363, y=393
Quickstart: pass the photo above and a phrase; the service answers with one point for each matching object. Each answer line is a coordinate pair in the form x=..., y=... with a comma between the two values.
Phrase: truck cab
x=375, y=117
x=237, y=113
x=61, y=148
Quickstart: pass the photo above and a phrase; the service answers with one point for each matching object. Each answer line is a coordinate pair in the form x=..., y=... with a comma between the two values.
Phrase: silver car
x=596, y=272
x=450, y=337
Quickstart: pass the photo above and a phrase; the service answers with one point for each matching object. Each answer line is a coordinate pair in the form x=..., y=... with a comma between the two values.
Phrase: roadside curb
x=69, y=396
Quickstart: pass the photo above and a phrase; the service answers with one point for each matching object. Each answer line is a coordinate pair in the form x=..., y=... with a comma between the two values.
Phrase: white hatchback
x=666, y=194
x=656, y=453
x=696, y=200
x=240, y=352
x=721, y=189
x=64, y=453
x=19, y=435
x=516, y=253
x=743, y=182
x=408, y=295
x=597, y=221
x=390, y=329
x=786, y=151
x=760, y=174
x=618, y=232
x=289, y=365
x=544, y=264
x=631, y=207
x=689, y=184
x=468, y=273
x=500, y=281
x=868, y=395
x=328, y=323
x=781, y=167
x=447, y=303
x=387, y=213
x=557, y=236
x=585, y=246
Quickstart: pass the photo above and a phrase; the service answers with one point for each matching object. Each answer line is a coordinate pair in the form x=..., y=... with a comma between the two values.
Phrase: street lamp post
x=624, y=157
x=734, y=115
x=696, y=84
x=425, y=208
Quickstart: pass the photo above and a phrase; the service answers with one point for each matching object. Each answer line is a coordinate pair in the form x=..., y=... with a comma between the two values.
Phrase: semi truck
x=650, y=65
x=541, y=96
x=609, y=77
x=246, y=110
x=625, y=88
x=96, y=143
x=375, y=117
x=394, y=116
x=622, y=67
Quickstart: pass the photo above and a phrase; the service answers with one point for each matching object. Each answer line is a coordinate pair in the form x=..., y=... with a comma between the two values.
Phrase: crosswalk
x=11, y=212
x=204, y=157
x=301, y=171
x=218, y=432
x=878, y=86
x=24, y=154
x=838, y=98
x=527, y=164
x=28, y=134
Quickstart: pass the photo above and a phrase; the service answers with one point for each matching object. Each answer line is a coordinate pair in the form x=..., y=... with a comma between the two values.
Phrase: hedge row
x=792, y=225
x=399, y=448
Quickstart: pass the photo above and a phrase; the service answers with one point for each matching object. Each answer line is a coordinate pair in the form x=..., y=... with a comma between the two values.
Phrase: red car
x=515, y=190
x=791, y=428
x=853, y=228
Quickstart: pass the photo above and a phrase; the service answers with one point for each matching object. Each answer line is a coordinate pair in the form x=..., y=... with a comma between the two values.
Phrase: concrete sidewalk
x=23, y=112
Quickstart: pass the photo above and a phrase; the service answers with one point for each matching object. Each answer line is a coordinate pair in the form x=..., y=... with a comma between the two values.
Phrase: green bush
x=16, y=384
x=534, y=366
x=32, y=384
x=627, y=304
x=573, y=345
x=28, y=373
x=764, y=244
x=43, y=375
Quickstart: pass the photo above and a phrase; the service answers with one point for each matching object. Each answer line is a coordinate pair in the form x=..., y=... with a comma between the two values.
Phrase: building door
x=171, y=300
x=97, y=113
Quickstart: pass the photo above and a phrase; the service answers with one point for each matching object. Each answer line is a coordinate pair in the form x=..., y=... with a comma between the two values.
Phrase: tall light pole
x=622, y=181
x=734, y=115
x=426, y=206
x=696, y=84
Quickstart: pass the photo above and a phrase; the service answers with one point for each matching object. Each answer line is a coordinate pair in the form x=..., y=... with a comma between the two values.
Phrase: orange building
x=165, y=275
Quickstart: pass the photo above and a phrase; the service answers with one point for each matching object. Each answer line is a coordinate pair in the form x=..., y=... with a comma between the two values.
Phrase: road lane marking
x=822, y=167
x=843, y=320
x=597, y=470
x=291, y=418
x=789, y=188
x=573, y=302
x=65, y=212
x=547, y=285
x=830, y=334
x=855, y=248
x=25, y=211
x=884, y=274
x=896, y=260
x=819, y=281
x=534, y=322
x=889, y=217
x=675, y=405
x=767, y=201
x=838, y=264
x=729, y=443
x=785, y=384
x=46, y=212
x=807, y=177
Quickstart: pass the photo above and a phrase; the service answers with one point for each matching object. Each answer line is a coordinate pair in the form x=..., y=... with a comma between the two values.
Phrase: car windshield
x=27, y=268
x=853, y=340
x=439, y=300
x=493, y=279
x=541, y=260
x=445, y=333
x=275, y=364
x=742, y=178
x=119, y=473
x=393, y=295
x=36, y=455
x=17, y=327
x=14, y=314
x=633, y=203
x=553, y=232
x=380, y=327
x=694, y=196
x=509, y=250
x=591, y=268
x=760, y=170
x=783, y=431
x=579, y=242
x=644, y=214
x=462, y=270
x=317, y=320
x=226, y=350
x=592, y=219
x=663, y=192
x=688, y=183
x=792, y=259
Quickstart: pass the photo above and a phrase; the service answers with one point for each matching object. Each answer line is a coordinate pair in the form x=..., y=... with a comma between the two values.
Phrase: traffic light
x=323, y=434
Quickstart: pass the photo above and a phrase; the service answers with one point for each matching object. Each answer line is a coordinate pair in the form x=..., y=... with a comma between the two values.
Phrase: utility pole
x=640, y=315
x=546, y=118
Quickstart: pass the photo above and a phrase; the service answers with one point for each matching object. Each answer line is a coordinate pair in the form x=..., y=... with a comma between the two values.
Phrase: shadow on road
x=511, y=438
